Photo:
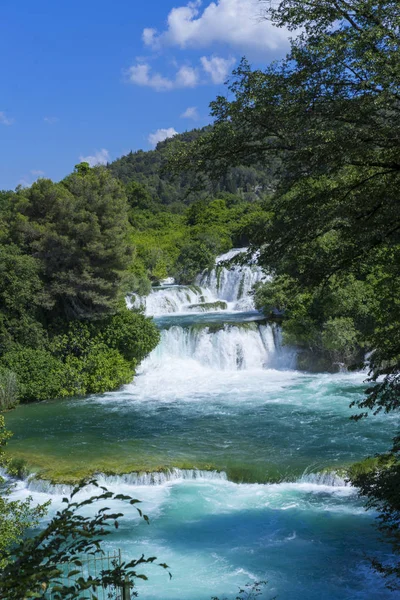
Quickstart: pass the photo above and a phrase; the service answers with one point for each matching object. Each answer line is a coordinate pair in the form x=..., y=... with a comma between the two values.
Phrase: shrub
x=40, y=374
x=339, y=336
x=105, y=369
x=132, y=334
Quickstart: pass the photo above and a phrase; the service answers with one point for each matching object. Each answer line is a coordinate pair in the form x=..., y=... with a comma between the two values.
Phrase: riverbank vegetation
x=65, y=256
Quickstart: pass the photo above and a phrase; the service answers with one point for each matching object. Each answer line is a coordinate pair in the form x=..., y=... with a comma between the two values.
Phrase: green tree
x=21, y=298
x=78, y=229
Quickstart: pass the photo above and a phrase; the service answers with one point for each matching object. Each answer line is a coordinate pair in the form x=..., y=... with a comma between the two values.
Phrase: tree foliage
x=78, y=230
x=16, y=517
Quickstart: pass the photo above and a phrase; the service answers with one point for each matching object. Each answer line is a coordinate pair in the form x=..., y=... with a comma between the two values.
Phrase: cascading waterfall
x=223, y=288
x=244, y=344
x=155, y=478
x=171, y=299
x=232, y=283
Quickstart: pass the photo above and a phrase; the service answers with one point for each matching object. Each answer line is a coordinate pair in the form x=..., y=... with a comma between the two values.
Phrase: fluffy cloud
x=186, y=77
x=237, y=23
x=191, y=113
x=100, y=157
x=37, y=173
x=141, y=74
x=160, y=135
x=217, y=67
x=4, y=120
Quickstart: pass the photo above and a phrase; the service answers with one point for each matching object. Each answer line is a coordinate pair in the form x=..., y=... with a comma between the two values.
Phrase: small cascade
x=232, y=283
x=325, y=478
x=160, y=478
x=131, y=479
x=171, y=299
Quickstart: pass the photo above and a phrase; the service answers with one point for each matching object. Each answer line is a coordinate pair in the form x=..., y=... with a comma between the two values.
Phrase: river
x=237, y=450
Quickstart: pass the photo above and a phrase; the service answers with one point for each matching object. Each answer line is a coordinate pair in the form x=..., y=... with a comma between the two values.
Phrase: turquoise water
x=228, y=399
x=256, y=426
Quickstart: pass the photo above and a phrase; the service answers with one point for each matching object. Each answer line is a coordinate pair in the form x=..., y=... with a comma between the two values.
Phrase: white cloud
x=51, y=120
x=237, y=23
x=217, y=68
x=4, y=120
x=148, y=36
x=160, y=135
x=100, y=157
x=141, y=74
x=37, y=173
x=186, y=77
x=191, y=113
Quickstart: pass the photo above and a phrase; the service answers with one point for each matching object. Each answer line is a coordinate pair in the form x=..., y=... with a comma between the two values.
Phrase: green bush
x=339, y=336
x=105, y=369
x=129, y=332
x=132, y=334
x=194, y=258
x=40, y=374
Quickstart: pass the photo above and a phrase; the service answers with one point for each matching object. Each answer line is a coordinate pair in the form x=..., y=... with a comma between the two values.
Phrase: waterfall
x=222, y=347
x=156, y=478
x=325, y=478
x=223, y=288
x=171, y=299
x=233, y=283
x=221, y=343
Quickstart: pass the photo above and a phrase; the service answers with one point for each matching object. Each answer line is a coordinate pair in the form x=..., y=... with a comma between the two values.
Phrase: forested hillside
x=181, y=189
x=181, y=221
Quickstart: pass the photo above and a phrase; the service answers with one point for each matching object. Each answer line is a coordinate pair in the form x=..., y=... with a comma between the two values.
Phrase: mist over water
x=245, y=441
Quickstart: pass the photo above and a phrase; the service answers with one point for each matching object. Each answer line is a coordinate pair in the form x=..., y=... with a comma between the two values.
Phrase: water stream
x=247, y=445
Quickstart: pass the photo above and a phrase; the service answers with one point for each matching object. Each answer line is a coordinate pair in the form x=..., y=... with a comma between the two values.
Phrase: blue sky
x=97, y=79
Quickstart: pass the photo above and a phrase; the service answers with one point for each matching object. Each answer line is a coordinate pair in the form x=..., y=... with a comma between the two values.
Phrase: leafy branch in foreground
x=16, y=516
x=42, y=562
x=381, y=487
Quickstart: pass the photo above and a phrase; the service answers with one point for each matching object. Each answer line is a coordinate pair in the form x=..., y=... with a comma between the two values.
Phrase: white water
x=34, y=484
x=230, y=284
x=231, y=348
